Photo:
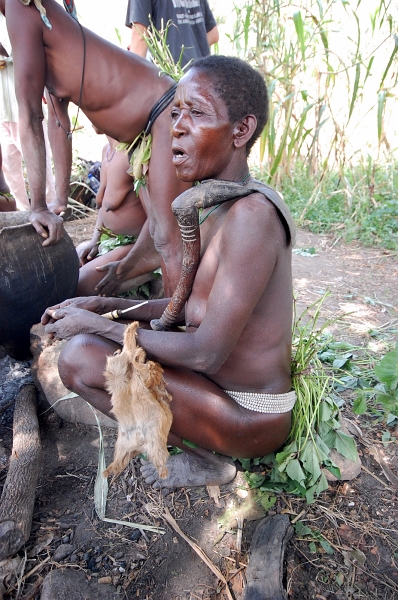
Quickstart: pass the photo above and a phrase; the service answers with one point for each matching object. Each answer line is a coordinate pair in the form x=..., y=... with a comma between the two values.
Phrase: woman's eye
x=174, y=114
x=195, y=112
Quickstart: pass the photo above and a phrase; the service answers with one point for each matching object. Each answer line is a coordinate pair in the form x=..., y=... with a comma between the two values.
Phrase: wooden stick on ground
x=18, y=497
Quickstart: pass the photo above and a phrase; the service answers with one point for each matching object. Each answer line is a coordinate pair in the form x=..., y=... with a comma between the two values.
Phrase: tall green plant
x=317, y=82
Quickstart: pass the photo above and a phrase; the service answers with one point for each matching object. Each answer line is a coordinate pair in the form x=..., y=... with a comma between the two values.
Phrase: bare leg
x=89, y=277
x=90, y=351
x=12, y=164
x=205, y=415
x=202, y=413
x=7, y=204
x=3, y=184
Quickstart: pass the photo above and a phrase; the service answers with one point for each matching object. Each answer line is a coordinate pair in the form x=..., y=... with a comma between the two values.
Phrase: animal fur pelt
x=140, y=403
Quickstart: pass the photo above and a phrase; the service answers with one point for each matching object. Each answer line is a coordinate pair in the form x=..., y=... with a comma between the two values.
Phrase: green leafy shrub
x=385, y=390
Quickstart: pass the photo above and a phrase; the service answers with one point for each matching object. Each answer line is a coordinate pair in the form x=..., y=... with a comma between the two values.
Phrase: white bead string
x=265, y=403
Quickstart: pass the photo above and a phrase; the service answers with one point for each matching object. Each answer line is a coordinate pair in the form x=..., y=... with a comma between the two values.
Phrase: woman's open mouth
x=179, y=156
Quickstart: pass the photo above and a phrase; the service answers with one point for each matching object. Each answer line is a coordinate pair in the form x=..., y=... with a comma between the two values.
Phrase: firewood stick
x=18, y=497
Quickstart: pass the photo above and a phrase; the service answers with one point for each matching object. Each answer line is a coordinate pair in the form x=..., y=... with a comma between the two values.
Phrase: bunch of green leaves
x=109, y=240
x=160, y=52
x=139, y=153
x=299, y=467
x=312, y=536
x=385, y=390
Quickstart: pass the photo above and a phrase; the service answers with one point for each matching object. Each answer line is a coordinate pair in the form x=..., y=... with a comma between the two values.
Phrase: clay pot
x=32, y=277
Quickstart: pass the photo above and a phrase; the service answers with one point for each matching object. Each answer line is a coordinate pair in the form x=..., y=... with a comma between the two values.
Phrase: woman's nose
x=179, y=126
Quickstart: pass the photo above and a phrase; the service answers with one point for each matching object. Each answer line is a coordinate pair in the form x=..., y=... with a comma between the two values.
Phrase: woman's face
x=202, y=136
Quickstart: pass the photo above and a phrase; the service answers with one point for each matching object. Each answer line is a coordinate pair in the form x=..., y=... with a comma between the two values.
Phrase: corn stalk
x=320, y=61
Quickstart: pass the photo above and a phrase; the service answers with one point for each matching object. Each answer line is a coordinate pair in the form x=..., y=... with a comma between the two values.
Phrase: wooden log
x=264, y=575
x=18, y=497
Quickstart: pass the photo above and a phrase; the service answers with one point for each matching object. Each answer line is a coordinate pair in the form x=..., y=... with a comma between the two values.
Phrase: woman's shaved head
x=241, y=88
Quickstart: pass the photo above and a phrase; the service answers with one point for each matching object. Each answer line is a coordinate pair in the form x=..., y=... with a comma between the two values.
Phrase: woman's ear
x=244, y=130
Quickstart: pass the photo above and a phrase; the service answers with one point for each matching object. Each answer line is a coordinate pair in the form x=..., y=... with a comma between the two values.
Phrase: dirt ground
x=358, y=518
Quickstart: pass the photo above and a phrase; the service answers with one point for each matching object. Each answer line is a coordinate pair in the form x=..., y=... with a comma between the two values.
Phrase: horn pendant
x=186, y=209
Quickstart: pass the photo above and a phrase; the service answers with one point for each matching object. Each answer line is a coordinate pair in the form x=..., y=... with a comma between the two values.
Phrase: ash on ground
x=13, y=375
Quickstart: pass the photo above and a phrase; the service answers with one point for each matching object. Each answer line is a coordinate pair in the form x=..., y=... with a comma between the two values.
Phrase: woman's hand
x=70, y=321
x=48, y=225
x=94, y=304
x=87, y=251
x=116, y=273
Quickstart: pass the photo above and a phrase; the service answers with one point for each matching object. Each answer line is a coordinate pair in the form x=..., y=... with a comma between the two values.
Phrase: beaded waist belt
x=265, y=403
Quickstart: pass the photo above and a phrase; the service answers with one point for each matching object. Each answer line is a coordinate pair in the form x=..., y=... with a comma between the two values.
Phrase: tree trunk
x=18, y=497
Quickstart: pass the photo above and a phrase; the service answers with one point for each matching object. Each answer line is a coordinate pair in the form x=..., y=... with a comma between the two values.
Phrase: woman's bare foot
x=189, y=470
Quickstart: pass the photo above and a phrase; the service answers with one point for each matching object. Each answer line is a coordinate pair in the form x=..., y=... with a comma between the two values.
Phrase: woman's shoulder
x=257, y=217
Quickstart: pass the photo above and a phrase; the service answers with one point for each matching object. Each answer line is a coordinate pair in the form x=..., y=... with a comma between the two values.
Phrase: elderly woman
x=229, y=372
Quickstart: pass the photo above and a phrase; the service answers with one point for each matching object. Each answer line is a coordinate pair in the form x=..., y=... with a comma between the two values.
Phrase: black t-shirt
x=192, y=19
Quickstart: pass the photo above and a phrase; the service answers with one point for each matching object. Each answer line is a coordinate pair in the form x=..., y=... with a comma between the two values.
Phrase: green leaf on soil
x=342, y=361
x=254, y=479
x=328, y=434
x=345, y=444
x=334, y=470
x=301, y=529
x=387, y=370
x=360, y=406
x=268, y=459
x=339, y=579
x=295, y=471
x=309, y=458
x=272, y=486
x=326, y=546
x=325, y=411
x=265, y=499
x=323, y=449
x=245, y=462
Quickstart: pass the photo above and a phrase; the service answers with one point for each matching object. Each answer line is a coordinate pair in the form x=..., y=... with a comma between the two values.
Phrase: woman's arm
x=29, y=71
x=245, y=265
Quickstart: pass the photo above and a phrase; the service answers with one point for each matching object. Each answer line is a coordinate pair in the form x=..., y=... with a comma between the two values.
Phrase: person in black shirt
x=194, y=26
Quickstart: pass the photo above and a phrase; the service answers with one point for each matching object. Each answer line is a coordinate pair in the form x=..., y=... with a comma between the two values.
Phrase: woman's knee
x=69, y=362
x=82, y=361
x=88, y=279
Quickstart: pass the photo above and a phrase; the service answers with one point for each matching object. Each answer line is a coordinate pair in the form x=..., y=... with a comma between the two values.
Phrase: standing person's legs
x=12, y=163
x=50, y=184
x=7, y=203
x=3, y=184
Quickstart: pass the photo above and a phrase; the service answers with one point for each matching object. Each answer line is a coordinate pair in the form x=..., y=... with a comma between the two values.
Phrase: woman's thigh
x=204, y=414
x=89, y=277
